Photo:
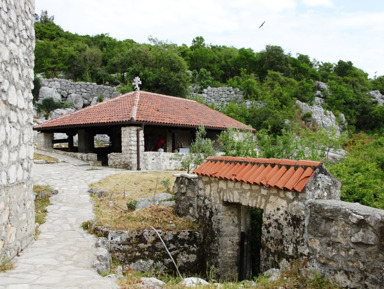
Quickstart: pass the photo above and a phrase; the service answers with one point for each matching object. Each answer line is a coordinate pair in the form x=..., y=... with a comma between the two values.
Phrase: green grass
x=6, y=264
x=40, y=207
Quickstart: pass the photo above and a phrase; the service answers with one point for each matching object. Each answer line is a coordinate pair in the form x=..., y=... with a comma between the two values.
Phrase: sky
x=325, y=30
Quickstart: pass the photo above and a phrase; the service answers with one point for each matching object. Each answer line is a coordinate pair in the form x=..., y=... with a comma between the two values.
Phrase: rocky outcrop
x=81, y=94
x=377, y=96
x=321, y=117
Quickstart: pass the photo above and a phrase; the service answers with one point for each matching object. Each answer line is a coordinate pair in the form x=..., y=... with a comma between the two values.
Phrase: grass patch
x=6, y=264
x=41, y=205
x=290, y=279
x=48, y=159
x=124, y=189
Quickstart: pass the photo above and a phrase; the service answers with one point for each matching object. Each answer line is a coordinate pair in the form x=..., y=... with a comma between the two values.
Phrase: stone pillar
x=86, y=143
x=45, y=140
x=17, y=215
x=129, y=145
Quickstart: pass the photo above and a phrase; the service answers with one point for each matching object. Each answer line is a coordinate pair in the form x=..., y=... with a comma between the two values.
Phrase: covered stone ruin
x=259, y=214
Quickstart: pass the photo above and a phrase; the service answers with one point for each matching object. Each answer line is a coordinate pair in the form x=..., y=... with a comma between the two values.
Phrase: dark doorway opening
x=250, y=244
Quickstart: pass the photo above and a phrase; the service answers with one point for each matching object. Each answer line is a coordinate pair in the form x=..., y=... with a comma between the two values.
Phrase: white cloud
x=316, y=3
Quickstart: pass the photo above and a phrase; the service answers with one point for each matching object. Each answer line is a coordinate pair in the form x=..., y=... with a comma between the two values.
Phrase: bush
x=48, y=105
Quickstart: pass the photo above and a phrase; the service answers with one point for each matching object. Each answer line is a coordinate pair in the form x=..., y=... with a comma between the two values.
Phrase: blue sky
x=326, y=30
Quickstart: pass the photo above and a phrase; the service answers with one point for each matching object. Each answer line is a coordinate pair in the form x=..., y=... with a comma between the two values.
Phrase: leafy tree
x=362, y=171
x=199, y=150
x=238, y=143
x=272, y=58
x=378, y=84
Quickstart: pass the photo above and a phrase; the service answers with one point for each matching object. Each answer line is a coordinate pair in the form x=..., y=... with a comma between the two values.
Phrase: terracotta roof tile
x=145, y=107
x=278, y=173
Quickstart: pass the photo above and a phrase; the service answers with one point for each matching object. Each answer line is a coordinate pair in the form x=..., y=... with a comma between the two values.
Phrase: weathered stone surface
x=376, y=95
x=151, y=282
x=157, y=199
x=47, y=92
x=193, y=282
x=59, y=112
x=345, y=242
x=80, y=93
x=322, y=118
x=16, y=143
x=142, y=250
x=76, y=99
x=99, y=193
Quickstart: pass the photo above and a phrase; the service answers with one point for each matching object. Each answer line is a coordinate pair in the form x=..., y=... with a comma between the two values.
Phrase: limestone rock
x=47, y=92
x=321, y=86
x=103, y=262
x=60, y=111
x=98, y=192
x=273, y=274
x=155, y=200
x=77, y=100
x=376, y=95
x=320, y=117
x=147, y=266
x=151, y=282
x=102, y=242
x=193, y=282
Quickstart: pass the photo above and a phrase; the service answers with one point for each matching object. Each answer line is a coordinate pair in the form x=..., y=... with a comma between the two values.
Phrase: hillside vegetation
x=271, y=77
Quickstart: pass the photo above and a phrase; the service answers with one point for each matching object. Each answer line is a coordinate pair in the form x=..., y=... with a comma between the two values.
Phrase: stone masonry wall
x=219, y=96
x=80, y=93
x=343, y=242
x=142, y=250
x=127, y=159
x=218, y=205
x=346, y=243
x=16, y=147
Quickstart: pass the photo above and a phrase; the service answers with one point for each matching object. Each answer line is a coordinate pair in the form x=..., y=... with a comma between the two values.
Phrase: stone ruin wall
x=343, y=242
x=17, y=217
x=219, y=96
x=80, y=93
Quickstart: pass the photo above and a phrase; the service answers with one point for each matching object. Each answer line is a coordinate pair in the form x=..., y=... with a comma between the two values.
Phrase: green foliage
x=48, y=105
x=300, y=143
x=131, y=205
x=199, y=150
x=202, y=78
x=36, y=89
x=238, y=143
x=100, y=98
x=362, y=171
x=167, y=185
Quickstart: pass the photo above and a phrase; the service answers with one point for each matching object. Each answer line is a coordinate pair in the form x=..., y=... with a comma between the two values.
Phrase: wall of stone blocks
x=346, y=243
x=16, y=114
x=127, y=159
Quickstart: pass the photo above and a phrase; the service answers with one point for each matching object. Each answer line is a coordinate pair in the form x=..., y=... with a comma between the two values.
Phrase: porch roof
x=284, y=174
x=141, y=107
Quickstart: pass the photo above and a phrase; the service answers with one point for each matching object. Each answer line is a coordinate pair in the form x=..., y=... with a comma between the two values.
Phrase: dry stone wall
x=346, y=243
x=80, y=93
x=142, y=250
x=220, y=96
x=16, y=113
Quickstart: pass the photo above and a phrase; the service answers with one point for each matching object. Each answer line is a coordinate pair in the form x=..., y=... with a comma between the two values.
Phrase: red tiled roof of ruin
x=145, y=107
x=284, y=174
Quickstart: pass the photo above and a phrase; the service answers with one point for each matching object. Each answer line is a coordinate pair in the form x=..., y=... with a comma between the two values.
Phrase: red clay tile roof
x=145, y=107
x=277, y=173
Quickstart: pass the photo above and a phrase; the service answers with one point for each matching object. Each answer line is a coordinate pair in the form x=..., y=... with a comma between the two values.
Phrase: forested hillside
x=272, y=77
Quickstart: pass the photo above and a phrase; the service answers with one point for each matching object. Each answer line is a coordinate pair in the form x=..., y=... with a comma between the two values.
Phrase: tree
x=199, y=150
x=238, y=143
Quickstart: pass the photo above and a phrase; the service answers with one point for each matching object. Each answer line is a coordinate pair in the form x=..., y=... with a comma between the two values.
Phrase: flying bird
x=261, y=24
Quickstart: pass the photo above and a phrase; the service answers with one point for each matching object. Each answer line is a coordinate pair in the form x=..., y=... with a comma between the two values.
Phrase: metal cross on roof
x=136, y=82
